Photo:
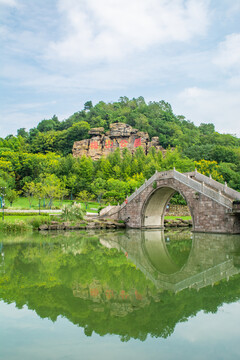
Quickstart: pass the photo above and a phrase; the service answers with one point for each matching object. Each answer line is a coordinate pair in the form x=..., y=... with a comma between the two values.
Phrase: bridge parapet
x=203, y=188
x=231, y=193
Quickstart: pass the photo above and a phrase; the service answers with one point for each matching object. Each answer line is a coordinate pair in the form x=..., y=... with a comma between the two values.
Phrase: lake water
x=120, y=295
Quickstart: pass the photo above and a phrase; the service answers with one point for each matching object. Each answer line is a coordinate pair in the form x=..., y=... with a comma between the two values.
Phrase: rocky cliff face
x=120, y=136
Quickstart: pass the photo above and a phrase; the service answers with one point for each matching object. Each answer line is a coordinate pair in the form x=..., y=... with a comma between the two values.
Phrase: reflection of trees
x=55, y=278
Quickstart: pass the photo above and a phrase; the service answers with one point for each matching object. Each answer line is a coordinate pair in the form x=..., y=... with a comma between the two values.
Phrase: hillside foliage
x=42, y=155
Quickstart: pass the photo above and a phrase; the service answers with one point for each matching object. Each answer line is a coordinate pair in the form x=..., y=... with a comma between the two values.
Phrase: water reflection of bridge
x=211, y=257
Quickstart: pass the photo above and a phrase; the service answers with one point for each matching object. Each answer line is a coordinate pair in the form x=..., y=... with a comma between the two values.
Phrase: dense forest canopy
x=44, y=153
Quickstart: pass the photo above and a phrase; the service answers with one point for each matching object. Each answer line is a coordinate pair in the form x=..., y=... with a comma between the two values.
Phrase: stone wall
x=178, y=210
x=119, y=136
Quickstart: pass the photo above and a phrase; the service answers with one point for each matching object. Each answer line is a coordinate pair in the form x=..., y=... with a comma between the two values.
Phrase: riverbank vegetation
x=24, y=223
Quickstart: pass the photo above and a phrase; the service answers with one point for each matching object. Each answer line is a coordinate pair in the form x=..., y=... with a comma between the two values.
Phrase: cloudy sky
x=58, y=54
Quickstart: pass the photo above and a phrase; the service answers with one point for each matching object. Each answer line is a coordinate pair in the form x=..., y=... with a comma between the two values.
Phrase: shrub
x=154, y=185
x=72, y=212
x=38, y=221
x=100, y=208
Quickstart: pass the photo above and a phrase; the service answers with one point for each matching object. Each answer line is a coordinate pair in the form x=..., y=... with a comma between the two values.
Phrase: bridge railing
x=138, y=191
x=203, y=189
x=218, y=186
x=146, y=184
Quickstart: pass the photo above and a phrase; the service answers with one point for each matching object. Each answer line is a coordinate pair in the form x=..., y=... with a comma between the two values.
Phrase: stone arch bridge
x=213, y=206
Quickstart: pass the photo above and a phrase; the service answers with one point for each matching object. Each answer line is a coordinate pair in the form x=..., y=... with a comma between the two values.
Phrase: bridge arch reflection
x=156, y=249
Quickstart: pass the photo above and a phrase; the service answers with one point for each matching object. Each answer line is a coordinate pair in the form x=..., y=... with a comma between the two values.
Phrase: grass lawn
x=22, y=203
x=14, y=218
x=177, y=217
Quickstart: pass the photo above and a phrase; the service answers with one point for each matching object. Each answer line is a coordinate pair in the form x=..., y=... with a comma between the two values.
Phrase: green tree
x=117, y=190
x=50, y=188
x=209, y=168
x=173, y=159
x=48, y=125
x=30, y=190
x=83, y=168
x=88, y=105
x=12, y=195
x=23, y=133
x=84, y=196
x=70, y=183
x=230, y=175
x=98, y=188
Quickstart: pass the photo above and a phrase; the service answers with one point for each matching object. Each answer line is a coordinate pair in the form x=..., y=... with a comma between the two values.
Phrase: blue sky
x=58, y=54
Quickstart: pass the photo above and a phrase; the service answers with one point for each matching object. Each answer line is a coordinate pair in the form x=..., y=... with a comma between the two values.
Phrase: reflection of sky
x=23, y=335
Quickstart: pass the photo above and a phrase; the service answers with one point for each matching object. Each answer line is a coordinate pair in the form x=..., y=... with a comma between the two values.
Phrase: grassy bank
x=16, y=224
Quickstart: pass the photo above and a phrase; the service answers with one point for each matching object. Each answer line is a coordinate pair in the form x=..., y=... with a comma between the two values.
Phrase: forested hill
x=47, y=149
x=156, y=118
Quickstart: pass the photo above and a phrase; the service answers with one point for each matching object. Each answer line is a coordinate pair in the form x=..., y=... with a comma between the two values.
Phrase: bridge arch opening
x=155, y=207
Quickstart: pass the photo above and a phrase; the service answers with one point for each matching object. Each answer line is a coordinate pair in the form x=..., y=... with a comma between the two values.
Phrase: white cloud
x=70, y=49
x=24, y=115
x=221, y=107
x=8, y=2
x=111, y=29
x=232, y=10
x=17, y=120
x=75, y=78
x=234, y=81
x=228, y=54
x=206, y=336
